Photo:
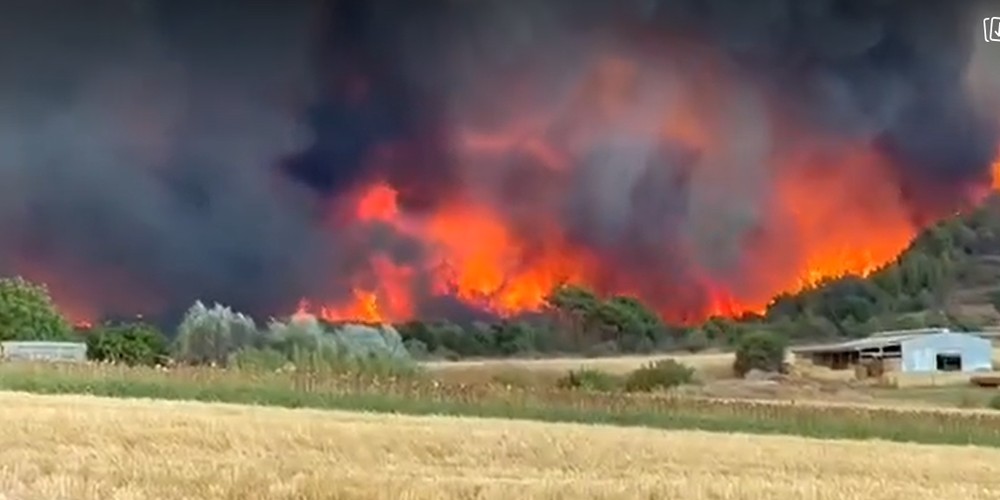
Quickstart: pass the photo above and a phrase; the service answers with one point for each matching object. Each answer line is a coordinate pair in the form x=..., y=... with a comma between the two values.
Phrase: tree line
x=915, y=290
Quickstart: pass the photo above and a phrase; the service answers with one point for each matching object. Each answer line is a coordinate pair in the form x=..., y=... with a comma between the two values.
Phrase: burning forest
x=386, y=160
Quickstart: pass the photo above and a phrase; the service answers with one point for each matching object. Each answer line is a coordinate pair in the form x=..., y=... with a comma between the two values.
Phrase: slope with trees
x=948, y=277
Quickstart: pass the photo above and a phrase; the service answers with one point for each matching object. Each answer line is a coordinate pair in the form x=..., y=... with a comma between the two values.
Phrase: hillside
x=949, y=276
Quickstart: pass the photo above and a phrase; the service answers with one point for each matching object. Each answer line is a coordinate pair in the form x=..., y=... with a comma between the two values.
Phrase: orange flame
x=823, y=216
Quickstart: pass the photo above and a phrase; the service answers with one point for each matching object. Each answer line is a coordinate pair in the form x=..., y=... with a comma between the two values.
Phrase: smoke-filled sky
x=157, y=152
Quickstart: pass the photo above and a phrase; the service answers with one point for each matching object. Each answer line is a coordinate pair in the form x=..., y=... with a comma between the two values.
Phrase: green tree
x=575, y=307
x=128, y=343
x=28, y=313
x=760, y=350
x=514, y=337
x=208, y=336
x=420, y=331
x=639, y=328
x=622, y=320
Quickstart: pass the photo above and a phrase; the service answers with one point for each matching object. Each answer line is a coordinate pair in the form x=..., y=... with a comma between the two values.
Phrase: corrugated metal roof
x=881, y=339
x=911, y=331
x=860, y=344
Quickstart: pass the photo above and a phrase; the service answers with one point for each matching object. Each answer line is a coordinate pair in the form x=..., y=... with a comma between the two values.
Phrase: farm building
x=43, y=351
x=912, y=351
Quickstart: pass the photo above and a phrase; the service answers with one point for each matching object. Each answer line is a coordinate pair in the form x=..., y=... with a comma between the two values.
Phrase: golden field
x=62, y=447
x=545, y=371
x=617, y=364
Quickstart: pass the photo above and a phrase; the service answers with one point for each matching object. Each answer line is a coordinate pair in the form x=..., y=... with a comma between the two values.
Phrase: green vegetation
x=761, y=350
x=212, y=336
x=590, y=380
x=417, y=396
x=128, y=343
x=27, y=312
x=660, y=375
x=995, y=402
x=949, y=277
x=576, y=321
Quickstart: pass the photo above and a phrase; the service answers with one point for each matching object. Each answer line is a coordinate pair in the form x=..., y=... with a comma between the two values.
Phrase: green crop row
x=420, y=396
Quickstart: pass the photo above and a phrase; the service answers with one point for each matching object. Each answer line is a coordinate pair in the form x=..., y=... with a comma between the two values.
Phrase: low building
x=914, y=351
x=43, y=351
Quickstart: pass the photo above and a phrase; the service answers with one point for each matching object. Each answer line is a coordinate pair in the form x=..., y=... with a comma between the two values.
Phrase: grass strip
x=829, y=423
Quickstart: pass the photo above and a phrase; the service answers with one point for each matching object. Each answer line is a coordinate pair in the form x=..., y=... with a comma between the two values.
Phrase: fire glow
x=385, y=161
x=842, y=215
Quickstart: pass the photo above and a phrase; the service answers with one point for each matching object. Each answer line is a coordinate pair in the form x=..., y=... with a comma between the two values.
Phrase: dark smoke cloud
x=152, y=138
x=136, y=141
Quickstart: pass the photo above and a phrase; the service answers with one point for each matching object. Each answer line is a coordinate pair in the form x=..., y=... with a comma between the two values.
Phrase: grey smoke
x=140, y=139
x=125, y=154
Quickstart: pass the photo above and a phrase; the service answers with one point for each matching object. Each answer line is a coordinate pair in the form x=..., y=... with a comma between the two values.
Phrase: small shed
x=916, y=352
x=43, y=351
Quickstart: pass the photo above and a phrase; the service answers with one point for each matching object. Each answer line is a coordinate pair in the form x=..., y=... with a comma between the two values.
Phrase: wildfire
x=829, y=215
x=821, y=214
x=483, y=169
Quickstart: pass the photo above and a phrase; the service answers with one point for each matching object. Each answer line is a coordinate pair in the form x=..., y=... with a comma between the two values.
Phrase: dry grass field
x=707, y=366
x=616, y=364
x=76, y=447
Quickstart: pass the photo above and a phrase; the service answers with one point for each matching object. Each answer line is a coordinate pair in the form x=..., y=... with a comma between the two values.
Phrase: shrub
x=662, y=374
x=416, y=348
x=588, y=379
x=211, y=335
x=994, y=402
x=27, y=312
x=759, y=350
x=128, y=343
x=695, y=340
x=359, y=341
x=310, y=344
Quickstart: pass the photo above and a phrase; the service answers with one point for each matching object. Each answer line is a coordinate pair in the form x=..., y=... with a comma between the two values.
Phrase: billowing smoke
x=156, y=152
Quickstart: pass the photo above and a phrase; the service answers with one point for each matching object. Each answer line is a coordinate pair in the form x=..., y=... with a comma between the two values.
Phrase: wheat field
x=616, y=364
x=80, y=447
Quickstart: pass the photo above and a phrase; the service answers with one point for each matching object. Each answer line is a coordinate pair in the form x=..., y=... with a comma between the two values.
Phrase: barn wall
x=920, y=353
x=44, y=351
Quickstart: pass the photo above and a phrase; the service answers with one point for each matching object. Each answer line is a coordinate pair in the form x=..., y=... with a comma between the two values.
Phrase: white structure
x=43, y=351
x=912, y=351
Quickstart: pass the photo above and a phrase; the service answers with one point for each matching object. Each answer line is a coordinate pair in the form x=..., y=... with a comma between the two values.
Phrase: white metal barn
x=909, y=352
x=43, y=351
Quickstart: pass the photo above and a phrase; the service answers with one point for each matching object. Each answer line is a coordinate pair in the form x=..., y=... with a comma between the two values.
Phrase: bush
x=995, y=402
x=208, y=336
x=695, y=340
x=662, y=374
x=361, y=341
x=128, y=343
x=416, y=348
x=759, y=350
x=27, y=312
x=311, y=344
x=589, y=380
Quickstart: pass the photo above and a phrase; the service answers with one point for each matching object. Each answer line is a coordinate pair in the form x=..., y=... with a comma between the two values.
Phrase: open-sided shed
x=918, y=352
